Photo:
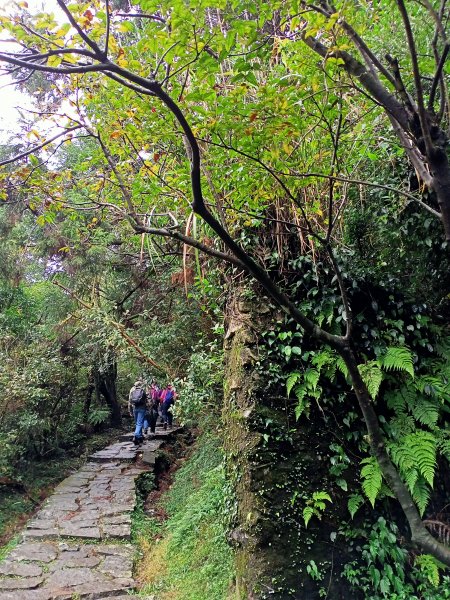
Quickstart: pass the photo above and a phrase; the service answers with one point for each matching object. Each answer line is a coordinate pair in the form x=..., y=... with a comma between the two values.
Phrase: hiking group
x=146, y=404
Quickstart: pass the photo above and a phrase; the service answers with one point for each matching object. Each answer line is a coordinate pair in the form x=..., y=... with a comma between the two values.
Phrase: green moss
x=198, y=562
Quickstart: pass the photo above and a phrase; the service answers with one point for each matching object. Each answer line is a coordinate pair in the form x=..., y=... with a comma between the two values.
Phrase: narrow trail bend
x=78, y=545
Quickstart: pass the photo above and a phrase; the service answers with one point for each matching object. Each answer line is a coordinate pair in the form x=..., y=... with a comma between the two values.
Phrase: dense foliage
x=317, y=139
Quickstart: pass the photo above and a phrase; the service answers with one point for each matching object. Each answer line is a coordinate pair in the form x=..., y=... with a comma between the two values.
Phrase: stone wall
x=271, y=460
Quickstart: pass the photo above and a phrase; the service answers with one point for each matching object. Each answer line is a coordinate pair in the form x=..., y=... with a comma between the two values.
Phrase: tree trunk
x=107, y=387
x=441, y=185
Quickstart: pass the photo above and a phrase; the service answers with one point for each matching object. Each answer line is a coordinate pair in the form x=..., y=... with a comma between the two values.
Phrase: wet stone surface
x=76, y=546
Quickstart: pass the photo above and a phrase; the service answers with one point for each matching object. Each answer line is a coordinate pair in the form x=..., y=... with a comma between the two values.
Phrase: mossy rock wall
x=274, y=463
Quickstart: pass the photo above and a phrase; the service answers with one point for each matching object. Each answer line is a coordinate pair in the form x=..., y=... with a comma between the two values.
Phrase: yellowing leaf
x=54, y=61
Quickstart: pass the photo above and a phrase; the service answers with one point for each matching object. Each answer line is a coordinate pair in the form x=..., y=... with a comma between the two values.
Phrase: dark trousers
x=152, y=417
x=167, y=415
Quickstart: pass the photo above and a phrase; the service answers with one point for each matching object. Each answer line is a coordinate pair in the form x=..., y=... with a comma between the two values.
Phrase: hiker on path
x=151, y=416
x=167, y=401
x=137, y=407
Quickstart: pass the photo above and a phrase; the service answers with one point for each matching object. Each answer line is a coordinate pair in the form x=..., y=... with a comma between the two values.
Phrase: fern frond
x=444, y=448
x=429, y=567
x=324, y=357
x=303, y=403
x=291, y=381
x=308, y=512
x=411, y=477
x=386, y=491
x=311, y=378
x=396, y=401
x=443, y=348
x=426, y=412
x=397, y=358
x=422, y=445
x=340, y=364
x=402, y=456
x=421, y=494
x=372, y=376
x=353, y=504
x=431, y=385
x=371, y=474
x=321, y=496
x=402, y=425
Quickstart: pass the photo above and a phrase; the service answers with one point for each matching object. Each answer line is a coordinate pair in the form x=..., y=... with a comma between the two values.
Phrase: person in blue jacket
x=167, y=401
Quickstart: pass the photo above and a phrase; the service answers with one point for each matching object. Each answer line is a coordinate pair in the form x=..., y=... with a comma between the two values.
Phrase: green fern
x=342, y=367
x=396, y=401
x=372, y=478
x=320, y=496
x=354, y=503
x=421, y=494
x=402, y=456
x=416, y=451
x=397, y=358
x=426, y=412
x=308, y=512
x=291, y=381
x=411, y=477
x=372, y=376
x=432, y=385
x=303, y=403
x=315, y=506
x=422, y=445
x=402, y=425
x=429, y=567
x=444, y=447
x=323, y=358
x=443, y=348
x=311, y=378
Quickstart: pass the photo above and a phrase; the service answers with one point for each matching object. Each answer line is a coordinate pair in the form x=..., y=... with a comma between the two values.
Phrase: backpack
x=169, y=395
x=137, y=397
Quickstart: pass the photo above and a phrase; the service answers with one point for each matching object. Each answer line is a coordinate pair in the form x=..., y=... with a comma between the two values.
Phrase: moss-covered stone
x=274, y=466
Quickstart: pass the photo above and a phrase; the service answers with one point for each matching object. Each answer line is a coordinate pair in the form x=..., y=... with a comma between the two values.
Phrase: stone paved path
x=76, y=546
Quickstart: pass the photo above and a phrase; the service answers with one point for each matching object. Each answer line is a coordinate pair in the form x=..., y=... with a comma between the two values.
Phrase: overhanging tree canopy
x=268, y=78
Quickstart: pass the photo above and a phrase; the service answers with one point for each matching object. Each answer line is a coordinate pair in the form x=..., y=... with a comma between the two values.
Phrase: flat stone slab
x=99, y=510
x=55, y=560
x=124, y=451
x=160, y=434
x=72, y=570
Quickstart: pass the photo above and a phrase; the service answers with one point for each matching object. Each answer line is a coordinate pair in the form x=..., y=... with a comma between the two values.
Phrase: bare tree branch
x=39, y=147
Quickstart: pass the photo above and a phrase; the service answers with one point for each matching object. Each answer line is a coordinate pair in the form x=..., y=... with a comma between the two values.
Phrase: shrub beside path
x=77, y=546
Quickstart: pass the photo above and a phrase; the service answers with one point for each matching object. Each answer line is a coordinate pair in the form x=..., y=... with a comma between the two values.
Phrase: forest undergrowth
x=181, y=529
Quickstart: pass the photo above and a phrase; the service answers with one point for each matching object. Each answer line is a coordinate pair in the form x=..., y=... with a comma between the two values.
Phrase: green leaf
x=308, y=512
x=371, y=474
x=341, y=482
x=354, y=503
x=428, y=565
x=421, y=495
x=321, y=496
x=397, y=358
x=422, y=446
x=291, y=381
x=372, y=376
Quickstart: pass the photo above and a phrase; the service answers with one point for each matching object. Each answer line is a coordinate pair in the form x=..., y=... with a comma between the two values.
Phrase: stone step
x=159, y=433
x=54, y=560
x=123, y=451
x=62, y=571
